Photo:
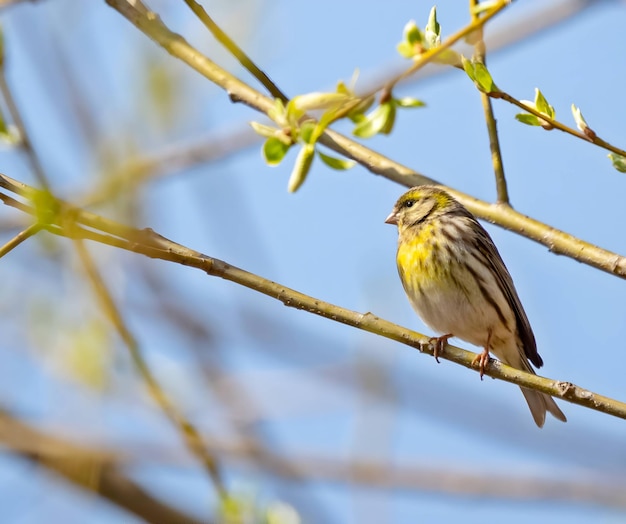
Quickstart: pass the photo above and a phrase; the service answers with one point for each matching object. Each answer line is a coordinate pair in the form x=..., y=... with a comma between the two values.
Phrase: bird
x=456, y=281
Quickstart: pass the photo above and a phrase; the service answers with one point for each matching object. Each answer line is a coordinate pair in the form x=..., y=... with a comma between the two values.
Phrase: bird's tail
x=539, y=403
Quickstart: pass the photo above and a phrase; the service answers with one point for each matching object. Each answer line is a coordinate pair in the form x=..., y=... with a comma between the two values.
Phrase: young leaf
x=274, y=150
x=301, y=167
x=278, y=113
x=263, y=130
x=336, y=163
x=306, y=132
x=528, y=119
x=541, y=104
x=619, y=162
x=390, y=120
x=581, y=123
x=479, y=75
x=432, y=31
x=376, y=121
x=412, y=40
x=311, y=101
x=408, y=101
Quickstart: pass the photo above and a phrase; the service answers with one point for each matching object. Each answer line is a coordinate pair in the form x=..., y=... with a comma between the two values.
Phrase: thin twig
x=31, y=230
x=429, y=55
x=236, y=51
x=25, y=141
x=492, y=128
x=594, y=139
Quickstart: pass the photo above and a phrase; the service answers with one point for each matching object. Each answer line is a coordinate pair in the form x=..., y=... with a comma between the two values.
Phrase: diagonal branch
x=557, y=241
x=236, y=51
x=73, y=222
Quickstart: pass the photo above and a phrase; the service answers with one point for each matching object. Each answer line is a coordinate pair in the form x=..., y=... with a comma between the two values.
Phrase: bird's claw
x=482, y=359
x=438, y=343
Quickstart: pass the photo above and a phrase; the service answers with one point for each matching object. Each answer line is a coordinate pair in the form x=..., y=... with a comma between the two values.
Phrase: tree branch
x=557, y=241
x=67, y=221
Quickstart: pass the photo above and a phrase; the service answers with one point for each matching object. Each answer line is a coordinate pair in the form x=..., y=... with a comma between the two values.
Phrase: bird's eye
x=409, y=203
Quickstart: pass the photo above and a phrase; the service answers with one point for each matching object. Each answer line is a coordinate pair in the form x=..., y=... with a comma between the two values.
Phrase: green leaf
x=541, y=104
x=336, y=163
x=358, y=113
x=432, y=32
x=581, y=124
x=306, y=132
x=342, y=88
x=390, y=120
x=412, y=39
x=528, y=119
x=263, y=130
x=274, y=150
x=376, y=121
x=408, y=101
x=316, y=100
x=278, y=113
x=483, y=78
x=619, y=162
x=301, y=168
x=479, y=75
x=405, y=50
x=412, y=34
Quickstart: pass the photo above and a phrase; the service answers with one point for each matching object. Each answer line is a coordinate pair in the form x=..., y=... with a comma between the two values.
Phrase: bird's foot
x=438, y=343
x=482, y=359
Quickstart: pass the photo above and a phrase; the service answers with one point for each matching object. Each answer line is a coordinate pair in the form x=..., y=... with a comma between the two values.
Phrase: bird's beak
x=392, y=218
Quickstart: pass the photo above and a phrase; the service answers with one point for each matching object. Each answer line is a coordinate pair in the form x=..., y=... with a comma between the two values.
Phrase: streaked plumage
x=458, y=284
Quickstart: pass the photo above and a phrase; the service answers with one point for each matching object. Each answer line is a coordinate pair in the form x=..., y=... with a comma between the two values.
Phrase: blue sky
x=315, y=388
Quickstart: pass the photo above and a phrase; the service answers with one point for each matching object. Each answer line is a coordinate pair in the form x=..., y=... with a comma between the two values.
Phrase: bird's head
x=421, y=204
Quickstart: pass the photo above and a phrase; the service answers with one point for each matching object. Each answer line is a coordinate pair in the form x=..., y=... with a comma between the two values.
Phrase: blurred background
x=303, y=414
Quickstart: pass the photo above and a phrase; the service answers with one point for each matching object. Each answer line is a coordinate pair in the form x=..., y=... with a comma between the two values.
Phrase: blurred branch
x=235, y=398
x=19, y=238
x=9, y=3
x=70, y=221
x=24, y=138
x=190, y=434
x=179, y=157
x=99, y=471
x=88, y=469
x=557, y=241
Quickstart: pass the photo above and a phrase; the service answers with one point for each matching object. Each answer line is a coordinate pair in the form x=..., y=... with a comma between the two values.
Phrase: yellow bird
x=458, y=284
